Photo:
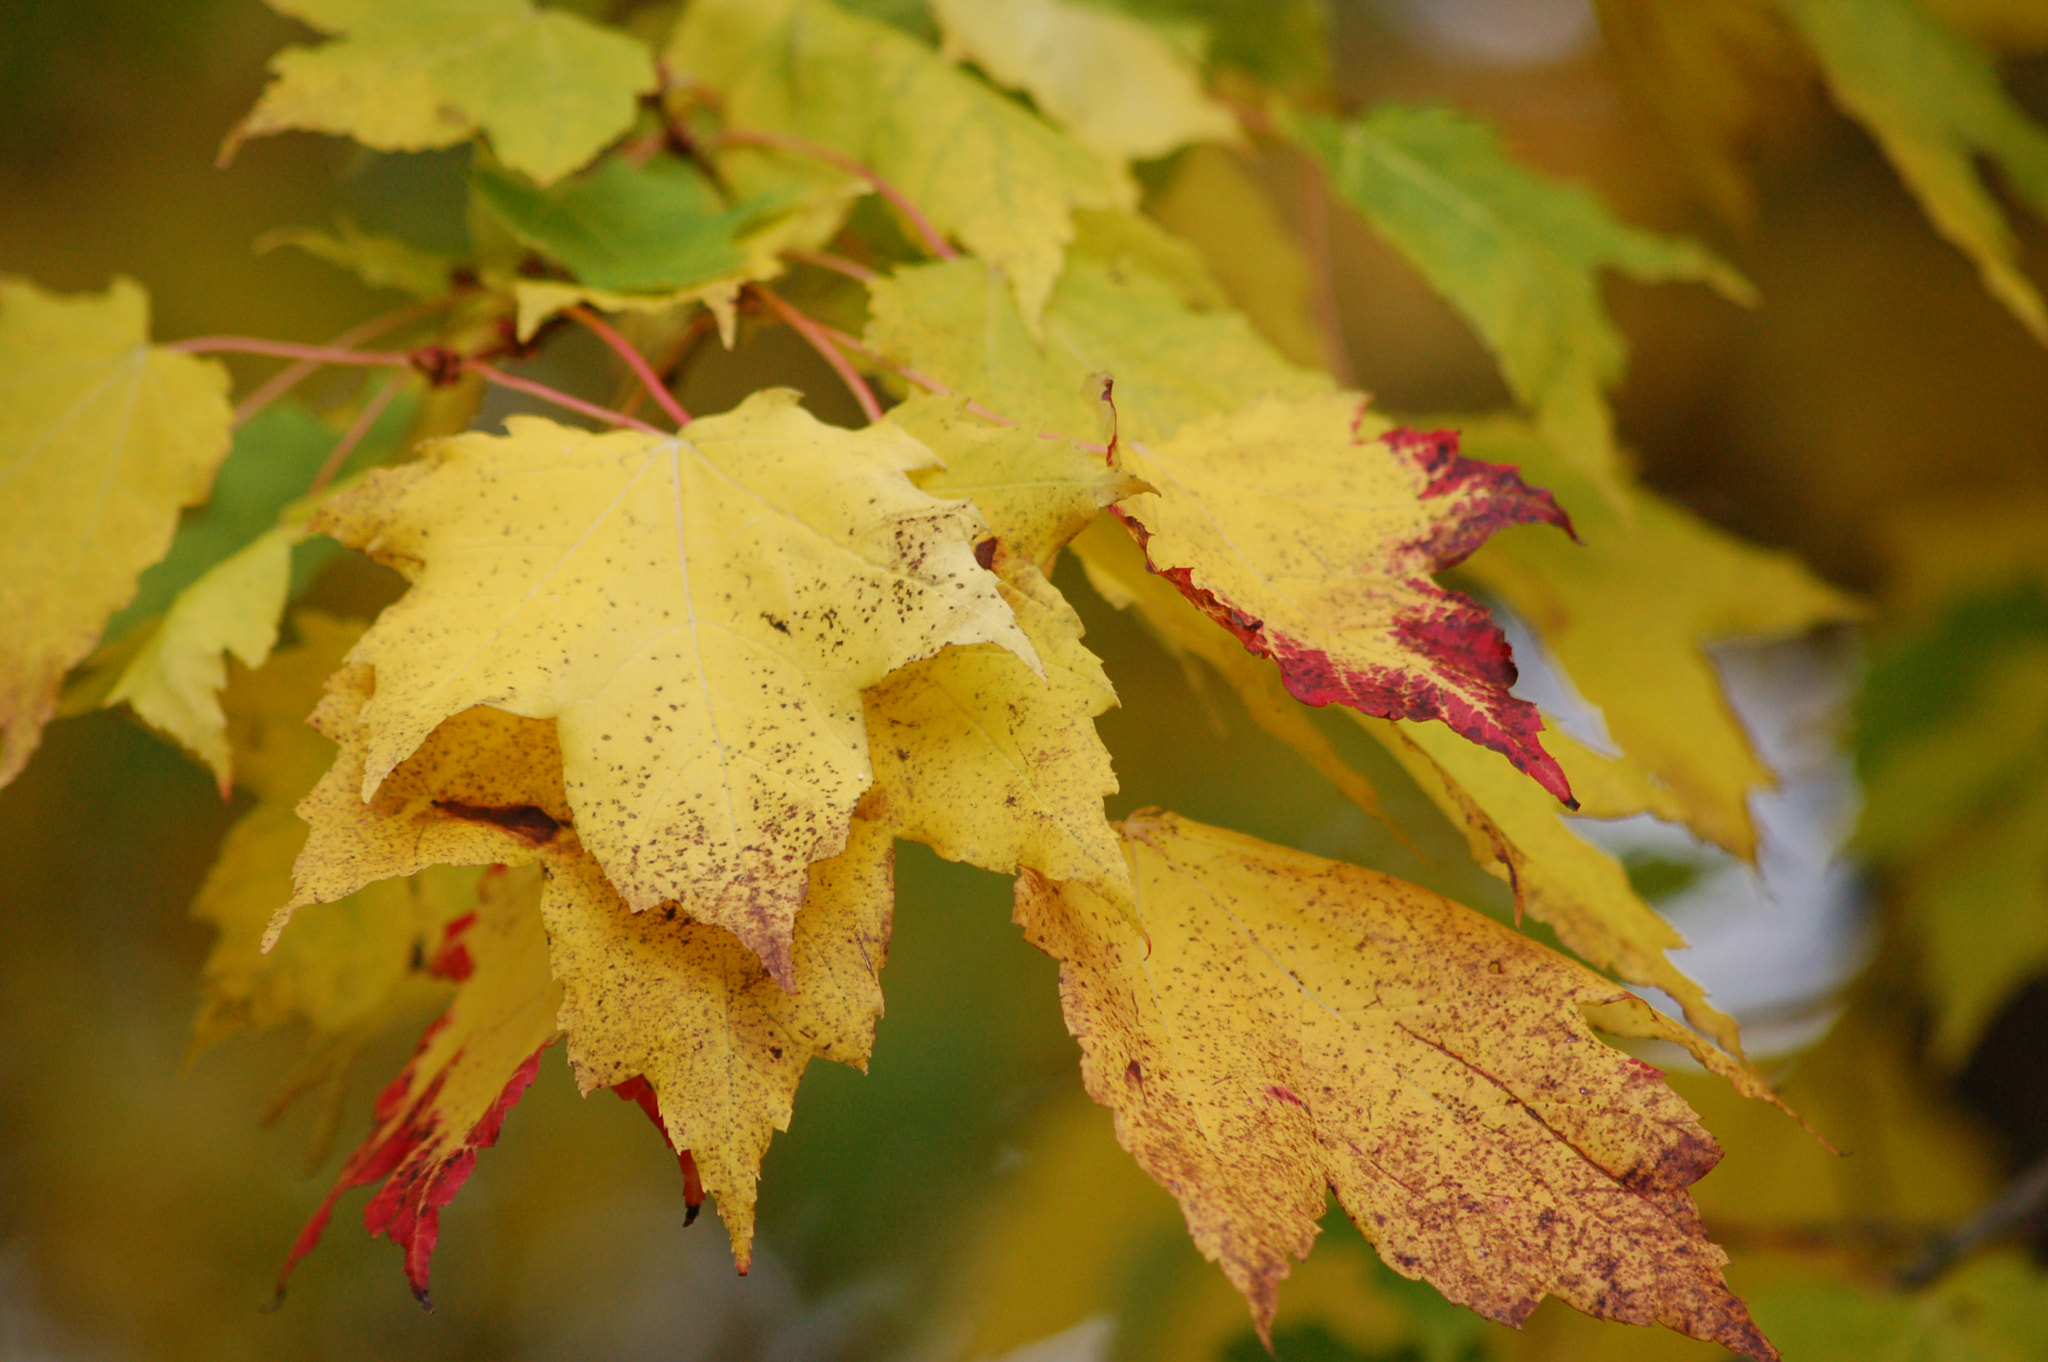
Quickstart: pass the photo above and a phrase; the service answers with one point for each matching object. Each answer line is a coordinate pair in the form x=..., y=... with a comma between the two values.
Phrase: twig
x=934, y=239
x=353, y=436
x=2017, y=1202
x=287, y=378
x=438, y=364
x=492, y=374
x=838, y=264
x=635, y=361
x=814, y=333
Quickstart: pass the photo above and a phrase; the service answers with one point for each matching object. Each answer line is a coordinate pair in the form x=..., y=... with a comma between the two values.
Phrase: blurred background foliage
x=1878, y=415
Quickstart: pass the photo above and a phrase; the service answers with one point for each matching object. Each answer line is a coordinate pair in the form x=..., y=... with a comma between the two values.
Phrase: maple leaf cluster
x=625, y=763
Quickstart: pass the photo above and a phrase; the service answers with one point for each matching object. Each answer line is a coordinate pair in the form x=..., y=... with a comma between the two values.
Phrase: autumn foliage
x=624, y=764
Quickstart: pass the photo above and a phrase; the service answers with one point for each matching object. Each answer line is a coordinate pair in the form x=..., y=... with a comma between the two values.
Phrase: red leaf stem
x=821, y=342
x=635, y=361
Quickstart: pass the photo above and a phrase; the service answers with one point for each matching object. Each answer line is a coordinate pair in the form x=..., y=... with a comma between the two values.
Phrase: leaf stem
x=929, y=384
x=353, y=436
x=438, y=364
x=635, y=361
x=815, y=333
x=490, y=373
x=838, y=264
x=287, y=378
x=934, y=240
x=1315, y=231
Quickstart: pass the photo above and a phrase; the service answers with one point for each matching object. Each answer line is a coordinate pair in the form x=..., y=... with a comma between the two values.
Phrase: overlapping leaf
x=103, y=438
x=685, y=1006
x=956, y=323
x=1629, y=613
x=1931, y=98
x=1516, y=254
x=410, y=75
x=978, y=164
x=1294, y=1025
x=1112, y=82
x=1310, y=530
x=699, y=615
x=471, y=1067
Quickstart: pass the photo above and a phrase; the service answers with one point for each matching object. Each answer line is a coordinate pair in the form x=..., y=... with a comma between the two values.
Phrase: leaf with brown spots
x=1275, y=1025
x=683, y=1005
x=698, y=613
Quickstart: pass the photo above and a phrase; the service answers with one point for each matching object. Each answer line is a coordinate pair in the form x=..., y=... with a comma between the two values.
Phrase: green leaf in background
x=981, y=166
x=379, y=261
x=1993, y=1310
x=1931, y=98
x=1517, y=254
x=625, y=227
x=410, y=75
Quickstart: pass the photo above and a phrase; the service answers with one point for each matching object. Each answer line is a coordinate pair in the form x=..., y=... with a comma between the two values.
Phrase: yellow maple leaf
x=1931, y=98
x=1309, y=529
x=410, y=75
x=1629, y=612
x=685, y=1006
x=1515, y=830
x=698, y=613
x=1293, y=1025
x=174, y=680
x=471, y=1066
x=977, y=163
x=987, y=764
x=1111, y=81
x=103, y=438
x=484, y=788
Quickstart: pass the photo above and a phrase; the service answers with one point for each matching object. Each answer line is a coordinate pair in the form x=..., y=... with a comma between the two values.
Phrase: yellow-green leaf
x=549, y=88
x=1992, y=1310
x=1629, y=612
x=1111, y=81
x=1932, y=99
x=688, y=1008
x=699, y=613
x=379, y=261
x=980, y=166
x=1517, y=254
x=1282, y=1025
x=955, y=322
x=103, y=438
x=174, y=682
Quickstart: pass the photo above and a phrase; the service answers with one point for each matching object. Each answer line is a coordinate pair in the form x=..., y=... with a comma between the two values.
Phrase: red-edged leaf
x=472, y=1065
x=1309, y=530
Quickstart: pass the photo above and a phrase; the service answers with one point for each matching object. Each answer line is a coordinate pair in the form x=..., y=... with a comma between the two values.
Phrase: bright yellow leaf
x=1113, y=82
x=174, y=682
x=1310, y=529
x=955, y=322
x=1518, y=255
x=975, y=162
x=472, y=1065
x=1932, y=99
x=1036, y=494
x=103, y=438
x=699, y=613
x=410, y=75
x=1287, y=1025
x=988, y=764
x=1628, y=613
x=485, y=787
x=685, y=1006
x=1116, y=569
